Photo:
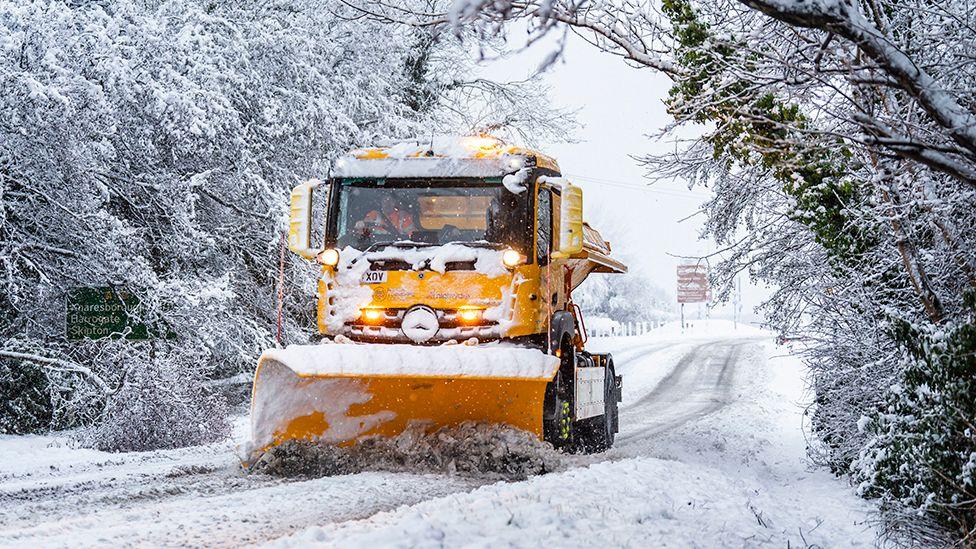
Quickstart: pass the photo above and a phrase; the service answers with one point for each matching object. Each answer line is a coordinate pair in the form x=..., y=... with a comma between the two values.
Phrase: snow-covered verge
x=736, y=476
x=31, y=461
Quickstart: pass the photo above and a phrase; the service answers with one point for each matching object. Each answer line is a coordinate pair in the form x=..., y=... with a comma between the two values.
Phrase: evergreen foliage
x=922, y=454
x=25, y=404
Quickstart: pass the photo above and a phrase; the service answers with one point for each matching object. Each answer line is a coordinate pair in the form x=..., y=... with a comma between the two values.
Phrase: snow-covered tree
x=624, y=298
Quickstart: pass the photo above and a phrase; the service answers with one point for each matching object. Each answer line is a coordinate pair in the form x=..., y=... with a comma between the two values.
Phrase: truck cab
x=426, y=249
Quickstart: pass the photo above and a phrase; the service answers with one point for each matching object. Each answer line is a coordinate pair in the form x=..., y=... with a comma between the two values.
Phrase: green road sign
x=96, y=313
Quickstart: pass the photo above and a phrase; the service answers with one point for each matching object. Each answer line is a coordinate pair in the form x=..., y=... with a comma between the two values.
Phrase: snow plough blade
x=340, y=393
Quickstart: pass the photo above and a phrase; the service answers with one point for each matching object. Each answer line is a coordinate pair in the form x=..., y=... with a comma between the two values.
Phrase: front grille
x=459, y=266
x=389, y=265
x=400, y=265
x=385, y=334
x=447, y=318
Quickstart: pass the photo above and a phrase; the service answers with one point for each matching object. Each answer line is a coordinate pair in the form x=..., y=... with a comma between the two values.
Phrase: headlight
x=511, y=258
x=329, y=257
x=469, y=315
x=372, y=315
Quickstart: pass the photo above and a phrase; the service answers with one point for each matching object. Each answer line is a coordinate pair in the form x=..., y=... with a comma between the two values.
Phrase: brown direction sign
x=693, y=284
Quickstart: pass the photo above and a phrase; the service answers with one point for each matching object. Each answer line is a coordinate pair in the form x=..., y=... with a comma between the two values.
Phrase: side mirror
x=570, y=222
x=299, y=224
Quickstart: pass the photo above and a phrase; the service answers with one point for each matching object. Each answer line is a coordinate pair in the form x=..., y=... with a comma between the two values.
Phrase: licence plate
x=374, y=277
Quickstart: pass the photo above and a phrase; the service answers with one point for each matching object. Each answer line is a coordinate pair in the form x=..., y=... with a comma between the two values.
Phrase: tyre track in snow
x=700, y=384
x=199, y=507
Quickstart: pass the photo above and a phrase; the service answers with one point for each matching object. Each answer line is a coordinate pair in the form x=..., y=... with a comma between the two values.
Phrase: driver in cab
x=391, y=220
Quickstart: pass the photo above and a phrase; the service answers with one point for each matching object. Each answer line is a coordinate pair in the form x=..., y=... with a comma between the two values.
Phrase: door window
x=544, y=236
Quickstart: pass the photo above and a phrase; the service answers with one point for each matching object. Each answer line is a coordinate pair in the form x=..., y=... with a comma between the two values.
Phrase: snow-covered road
x=711, y=453
x=699, y=384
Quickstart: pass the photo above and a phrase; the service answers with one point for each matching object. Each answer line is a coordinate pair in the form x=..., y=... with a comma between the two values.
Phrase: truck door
x=543, y=249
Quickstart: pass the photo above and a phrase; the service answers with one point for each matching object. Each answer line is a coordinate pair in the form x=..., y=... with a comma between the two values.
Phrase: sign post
x=692, y=286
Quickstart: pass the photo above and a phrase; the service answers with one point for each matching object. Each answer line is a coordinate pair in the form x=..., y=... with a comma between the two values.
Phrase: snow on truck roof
x=439, y=156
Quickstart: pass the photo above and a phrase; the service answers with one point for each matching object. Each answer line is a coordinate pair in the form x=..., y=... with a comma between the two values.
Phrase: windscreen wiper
x=391, y=243
x=368, y=249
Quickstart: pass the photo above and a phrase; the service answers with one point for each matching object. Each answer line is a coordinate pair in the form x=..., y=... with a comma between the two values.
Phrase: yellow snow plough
x=448, y=266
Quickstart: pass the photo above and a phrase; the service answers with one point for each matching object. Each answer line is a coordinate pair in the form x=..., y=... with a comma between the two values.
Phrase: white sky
x=620, y=107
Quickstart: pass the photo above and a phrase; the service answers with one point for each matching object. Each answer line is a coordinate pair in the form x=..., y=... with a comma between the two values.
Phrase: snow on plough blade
x=340, y=393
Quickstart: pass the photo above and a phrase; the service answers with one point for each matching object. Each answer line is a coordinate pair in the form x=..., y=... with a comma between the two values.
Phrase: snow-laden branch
x=59, y=365
x=621, y=30
x=617, y=35
x=913, y=149
x=844, y=19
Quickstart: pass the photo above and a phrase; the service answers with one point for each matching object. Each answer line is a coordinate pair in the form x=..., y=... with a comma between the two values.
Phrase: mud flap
x=619, y=388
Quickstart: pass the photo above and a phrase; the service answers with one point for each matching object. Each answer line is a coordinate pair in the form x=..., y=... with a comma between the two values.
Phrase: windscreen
x=376, y=211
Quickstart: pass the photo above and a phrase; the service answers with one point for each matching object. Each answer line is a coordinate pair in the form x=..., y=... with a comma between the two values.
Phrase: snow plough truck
x=445, y=296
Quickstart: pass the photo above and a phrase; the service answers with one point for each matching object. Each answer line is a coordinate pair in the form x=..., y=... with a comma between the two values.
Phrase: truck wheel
x=598, y=432
x=557, y=421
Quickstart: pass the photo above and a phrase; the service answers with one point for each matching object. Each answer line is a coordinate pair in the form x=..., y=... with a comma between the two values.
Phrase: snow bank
x=23, y=454
x=710, y=328
x=411, y=360
x=694, y=330
x=601, y=324
x=482, y=450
